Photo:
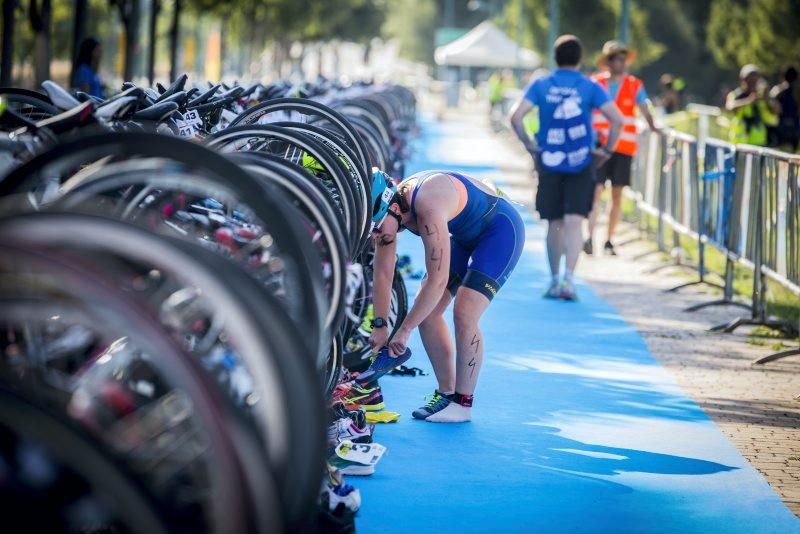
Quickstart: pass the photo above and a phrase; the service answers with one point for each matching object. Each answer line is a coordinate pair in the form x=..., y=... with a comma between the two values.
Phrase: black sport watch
x=378, y=322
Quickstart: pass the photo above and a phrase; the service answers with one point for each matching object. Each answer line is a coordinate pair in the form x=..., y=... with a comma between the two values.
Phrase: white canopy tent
x=486, y=45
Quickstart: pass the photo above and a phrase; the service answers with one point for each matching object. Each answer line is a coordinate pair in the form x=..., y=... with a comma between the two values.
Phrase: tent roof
x=486, y=45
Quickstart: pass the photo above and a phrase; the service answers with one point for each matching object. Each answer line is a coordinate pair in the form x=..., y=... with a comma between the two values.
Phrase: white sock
x=568, y=276
x=446, y=393
x=453, y=413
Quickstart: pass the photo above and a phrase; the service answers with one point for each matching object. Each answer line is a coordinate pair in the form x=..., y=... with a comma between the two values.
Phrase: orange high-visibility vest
x=626, y=102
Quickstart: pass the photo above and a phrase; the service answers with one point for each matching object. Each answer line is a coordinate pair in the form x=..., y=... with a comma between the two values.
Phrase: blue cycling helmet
x=383, y=190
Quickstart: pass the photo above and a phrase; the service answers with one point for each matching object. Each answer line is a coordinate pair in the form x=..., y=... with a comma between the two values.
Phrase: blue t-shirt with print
x=566, y=99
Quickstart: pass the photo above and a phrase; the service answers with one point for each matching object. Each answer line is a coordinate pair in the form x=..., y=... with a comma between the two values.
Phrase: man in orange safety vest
x=628, y=93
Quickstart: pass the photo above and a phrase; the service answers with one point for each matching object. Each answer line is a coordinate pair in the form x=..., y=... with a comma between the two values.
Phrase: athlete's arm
x=382, y=277
x=522, y=108
x=434, y=206
x=432, y=226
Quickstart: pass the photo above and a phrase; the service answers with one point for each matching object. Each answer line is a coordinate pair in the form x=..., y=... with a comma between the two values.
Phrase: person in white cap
x=628, y=92
x=752, y=112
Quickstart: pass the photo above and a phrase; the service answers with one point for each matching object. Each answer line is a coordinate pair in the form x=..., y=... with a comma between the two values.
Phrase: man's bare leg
x=595, y=213
x=555, y=246
x=573, y=241
x=469, y=307
x=616, y=210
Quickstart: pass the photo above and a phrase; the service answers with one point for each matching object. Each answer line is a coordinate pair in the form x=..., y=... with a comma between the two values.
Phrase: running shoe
x=382, y=363
x=552, y=292
x=587, y=247
x=437, y=403
x=346, y=467
x=339, y=411
x=365, y=398
x=336, y=495
x=374, y=402
x=345, y=428
x=608, y=248
x=566, y=291
x=355, y=458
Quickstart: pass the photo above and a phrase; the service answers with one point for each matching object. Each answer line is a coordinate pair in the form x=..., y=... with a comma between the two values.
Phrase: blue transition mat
x=576, y=427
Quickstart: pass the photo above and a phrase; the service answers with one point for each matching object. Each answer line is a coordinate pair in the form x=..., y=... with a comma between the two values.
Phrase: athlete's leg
x=467, y=311
x=616, y=209
x=555, y=245
x=493, y=260
x=433, y=330
x=573, y=240
x=438, y=345
x=595, y=213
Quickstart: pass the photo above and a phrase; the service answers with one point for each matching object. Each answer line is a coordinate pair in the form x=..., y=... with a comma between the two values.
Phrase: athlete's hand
x=399, y=342
x=534, y=151
x=378, y=339
x=600, y=157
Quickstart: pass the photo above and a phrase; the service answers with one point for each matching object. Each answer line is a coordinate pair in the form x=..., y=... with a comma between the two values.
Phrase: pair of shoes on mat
x=441, y=409
x=563, y=290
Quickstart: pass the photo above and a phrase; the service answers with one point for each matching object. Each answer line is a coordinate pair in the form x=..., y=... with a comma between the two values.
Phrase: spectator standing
x=86, y=66
x=751, y=110
x=628, y=92
x=564, y=155
x=787, y=95
x=497, y=84
x=670, y=99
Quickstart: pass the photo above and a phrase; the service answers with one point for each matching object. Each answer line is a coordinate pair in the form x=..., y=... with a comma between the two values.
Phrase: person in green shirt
x=752, y=112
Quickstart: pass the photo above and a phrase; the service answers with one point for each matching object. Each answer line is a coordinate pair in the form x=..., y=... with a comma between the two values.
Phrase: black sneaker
x=437, y=403
x=587, y=247
x=608, y=248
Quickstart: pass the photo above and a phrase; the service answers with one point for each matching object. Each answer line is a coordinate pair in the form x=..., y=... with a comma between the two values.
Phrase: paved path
x=576, y=426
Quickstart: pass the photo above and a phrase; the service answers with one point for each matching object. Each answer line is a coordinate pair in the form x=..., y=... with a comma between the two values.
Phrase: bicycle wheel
x=323, y=228
x=180, y=168
x=361, y=184
x=302, y=110
x=84, y=488
x=295, y=146
x=31, y=105
x=91, y=380
x=254, y=358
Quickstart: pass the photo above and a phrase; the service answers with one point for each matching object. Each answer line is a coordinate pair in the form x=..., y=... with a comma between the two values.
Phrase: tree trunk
x=174, y=35
x=129, y=13
x=78, y=33
x=155, y=8
x=223, y=50
x=40, y=24
x=257, y=47
x=7, y=60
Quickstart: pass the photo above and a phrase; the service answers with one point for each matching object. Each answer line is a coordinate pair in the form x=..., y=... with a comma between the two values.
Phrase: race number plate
x=363, y=453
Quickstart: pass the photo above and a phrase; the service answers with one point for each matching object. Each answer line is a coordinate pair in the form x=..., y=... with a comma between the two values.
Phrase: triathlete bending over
x=473, y=238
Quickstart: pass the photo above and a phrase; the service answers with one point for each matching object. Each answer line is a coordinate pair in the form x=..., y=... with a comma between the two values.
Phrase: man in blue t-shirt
x=564, y=155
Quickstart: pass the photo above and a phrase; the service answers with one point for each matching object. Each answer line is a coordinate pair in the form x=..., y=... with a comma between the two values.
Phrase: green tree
x=764, y=32
x=413, y=23
x=594, y=23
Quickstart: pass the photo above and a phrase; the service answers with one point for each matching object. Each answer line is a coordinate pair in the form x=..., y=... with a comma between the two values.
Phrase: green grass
x=781, y=302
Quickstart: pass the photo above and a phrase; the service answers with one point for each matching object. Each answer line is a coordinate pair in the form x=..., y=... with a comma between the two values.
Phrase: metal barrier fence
x=744, y=201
